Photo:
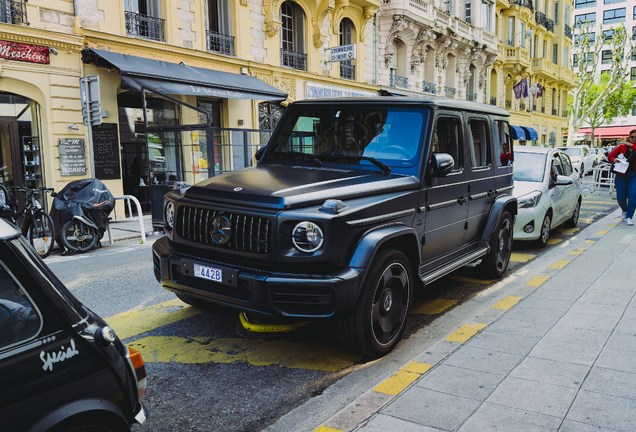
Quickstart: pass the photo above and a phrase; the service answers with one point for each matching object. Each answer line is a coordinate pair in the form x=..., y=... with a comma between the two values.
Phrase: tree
x=585, y=101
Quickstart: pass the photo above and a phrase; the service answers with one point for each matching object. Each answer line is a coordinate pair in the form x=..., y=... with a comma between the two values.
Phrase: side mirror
x=259, y=153
x=563, y=180
x=442, y=164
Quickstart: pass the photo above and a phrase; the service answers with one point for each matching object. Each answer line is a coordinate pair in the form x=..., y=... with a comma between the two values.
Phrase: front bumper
x=527, y=216
x=275, y=294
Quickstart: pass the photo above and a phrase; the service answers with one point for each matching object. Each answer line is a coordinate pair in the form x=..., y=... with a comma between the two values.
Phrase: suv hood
x=290, y=186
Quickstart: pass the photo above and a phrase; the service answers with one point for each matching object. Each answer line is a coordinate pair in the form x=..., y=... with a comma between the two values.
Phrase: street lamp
x=528, y=34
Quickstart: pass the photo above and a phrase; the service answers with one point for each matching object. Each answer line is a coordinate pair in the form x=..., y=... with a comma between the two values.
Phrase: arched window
x=347, y=37
x=397, y=68
x=292, y=36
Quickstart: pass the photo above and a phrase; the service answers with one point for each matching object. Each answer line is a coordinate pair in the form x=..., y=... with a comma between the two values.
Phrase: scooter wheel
x=76, y=236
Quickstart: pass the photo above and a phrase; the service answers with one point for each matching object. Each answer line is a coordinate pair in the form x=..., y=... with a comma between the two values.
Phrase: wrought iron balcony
x=399, y=81
x=522, y=106
x=550, y=25
x=554, y=111
x=293, y=59
x=508, y=103
x=524, y=3
x=13, y=12
x=543, y=110
x=567, y=30
x=347, y=71
x=534, y=107
x=145, y=26
x=449, y=91
x=221, y=43
x=540, y=18
x=493, y=101
x=471, y=97
x=428, y=87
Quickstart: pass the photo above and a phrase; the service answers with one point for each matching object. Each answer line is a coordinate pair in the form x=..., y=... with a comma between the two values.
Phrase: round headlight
x=307, y=237
x=170, y=214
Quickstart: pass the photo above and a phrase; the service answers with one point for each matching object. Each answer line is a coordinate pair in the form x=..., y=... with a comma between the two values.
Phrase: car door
x=445, y=199
x=481, y=175
x=572, y=191
x=558, y=194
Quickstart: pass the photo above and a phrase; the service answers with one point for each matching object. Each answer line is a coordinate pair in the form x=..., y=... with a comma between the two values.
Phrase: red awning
x=607, y=132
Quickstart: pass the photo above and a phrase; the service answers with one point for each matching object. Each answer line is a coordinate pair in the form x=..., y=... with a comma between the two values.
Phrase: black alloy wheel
x=495, y=264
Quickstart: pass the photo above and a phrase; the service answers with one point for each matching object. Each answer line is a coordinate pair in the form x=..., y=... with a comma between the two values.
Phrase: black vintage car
x=61, y=367
x=354, y=203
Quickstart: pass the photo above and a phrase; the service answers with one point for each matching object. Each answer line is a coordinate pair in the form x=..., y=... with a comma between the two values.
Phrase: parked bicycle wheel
x=76, y=236
x=42, y=235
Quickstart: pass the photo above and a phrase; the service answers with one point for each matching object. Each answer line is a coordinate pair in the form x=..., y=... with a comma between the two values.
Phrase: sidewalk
x=556, y=355
x=129, y=230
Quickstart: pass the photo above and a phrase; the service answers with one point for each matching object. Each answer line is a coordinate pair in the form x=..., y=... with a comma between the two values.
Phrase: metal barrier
x=602, y=175
x=139, y=217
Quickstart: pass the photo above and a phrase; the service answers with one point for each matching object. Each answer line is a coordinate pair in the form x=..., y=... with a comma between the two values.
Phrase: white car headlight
x=170, y=214
x=307, y=237
x=530, y=200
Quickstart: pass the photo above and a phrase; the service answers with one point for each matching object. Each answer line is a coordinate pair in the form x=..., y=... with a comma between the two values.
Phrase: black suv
x=61, y=367
x=353, y=203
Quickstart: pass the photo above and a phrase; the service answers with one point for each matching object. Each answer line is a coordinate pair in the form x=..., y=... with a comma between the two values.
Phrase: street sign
x=89, y=93
x=345, y=52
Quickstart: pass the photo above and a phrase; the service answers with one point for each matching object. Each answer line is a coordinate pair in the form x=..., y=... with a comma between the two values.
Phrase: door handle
x=461, y=200
x=491, y=193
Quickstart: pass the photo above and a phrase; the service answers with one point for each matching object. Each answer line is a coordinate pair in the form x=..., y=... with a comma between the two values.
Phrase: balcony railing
x=399, y=81
x=449, y=91
x=534, y=107
x=293, y=59
x=347, y=71
x=428, y=87
x=493, y=101
x=471, y=97
x=554, y=111
x=550, y=25
x=522, y=106
x=220, y=43
x=13, y=12
x=567, y=30
x=543, y=110
x=508, y=103
x=143, y=25
x=524, y=3
x=540, y=18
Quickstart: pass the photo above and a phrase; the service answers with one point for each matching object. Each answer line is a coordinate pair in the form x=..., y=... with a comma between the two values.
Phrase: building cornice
x=33, y=36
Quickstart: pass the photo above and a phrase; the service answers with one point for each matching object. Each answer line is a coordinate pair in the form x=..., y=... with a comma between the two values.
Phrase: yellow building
x=175, y=76
x=535, y=41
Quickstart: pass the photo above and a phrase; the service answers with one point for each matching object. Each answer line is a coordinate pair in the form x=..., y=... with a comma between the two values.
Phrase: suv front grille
x=251, y=234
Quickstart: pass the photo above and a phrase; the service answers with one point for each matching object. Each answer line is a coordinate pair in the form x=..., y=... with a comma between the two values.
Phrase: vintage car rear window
x=391, y=135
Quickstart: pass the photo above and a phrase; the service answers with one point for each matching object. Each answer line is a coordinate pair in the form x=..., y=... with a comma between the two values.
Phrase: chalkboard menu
x=72, y=156
x=106, y=151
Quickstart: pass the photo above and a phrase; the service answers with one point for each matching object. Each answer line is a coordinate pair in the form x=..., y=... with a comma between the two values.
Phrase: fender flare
x=502, y=203
x=372, y=241
x=67, y=411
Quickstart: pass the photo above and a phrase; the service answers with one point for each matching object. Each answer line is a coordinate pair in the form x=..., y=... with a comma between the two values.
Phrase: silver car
x=547, y=190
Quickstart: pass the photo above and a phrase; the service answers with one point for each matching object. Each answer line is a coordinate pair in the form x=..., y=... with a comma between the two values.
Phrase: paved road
x=207, y=373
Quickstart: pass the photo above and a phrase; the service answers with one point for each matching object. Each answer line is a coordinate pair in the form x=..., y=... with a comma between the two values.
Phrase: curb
x=369, y=403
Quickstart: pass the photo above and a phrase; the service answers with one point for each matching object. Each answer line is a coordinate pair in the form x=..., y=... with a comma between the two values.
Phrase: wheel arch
x=86, y=410
x=503, y=203
x=398, y=236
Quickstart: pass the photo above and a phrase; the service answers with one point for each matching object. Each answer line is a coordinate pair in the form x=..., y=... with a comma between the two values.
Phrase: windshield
x=390, y=135
x=572, y=151
x=529, y=167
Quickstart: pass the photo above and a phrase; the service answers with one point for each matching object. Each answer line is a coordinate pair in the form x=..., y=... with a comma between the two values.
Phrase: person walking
x=626, y=183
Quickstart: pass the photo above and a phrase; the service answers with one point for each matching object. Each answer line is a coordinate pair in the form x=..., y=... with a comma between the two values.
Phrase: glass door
x=10, y=155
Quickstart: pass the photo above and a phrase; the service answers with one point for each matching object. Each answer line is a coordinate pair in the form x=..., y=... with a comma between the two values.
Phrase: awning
x=517, y=133
x=531, y=134
x=181, y=79
x=607, y=132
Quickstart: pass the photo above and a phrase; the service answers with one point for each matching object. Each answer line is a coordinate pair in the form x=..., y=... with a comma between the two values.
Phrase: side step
x=449, y=268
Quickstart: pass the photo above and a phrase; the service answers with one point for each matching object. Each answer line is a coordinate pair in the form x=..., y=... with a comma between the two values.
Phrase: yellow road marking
x=517, y=257
x=559, y=264
x=599, y=202
x=130, y=324
x=602, y=232
x=537, y=281
x=403, y=378
x=597, y=207
x=554, y=241
x=568, y=230
x=577, y=251
x=586, y=220
x=618, y=220
x=507, y=302
x=471, y=280
x=611, y=225
x=326, y=429
x=465, y=332
x=432, y=307
x=590, y=241
x=257, y=352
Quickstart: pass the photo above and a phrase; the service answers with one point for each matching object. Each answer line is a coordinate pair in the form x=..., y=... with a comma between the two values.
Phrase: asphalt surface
x=206, y=372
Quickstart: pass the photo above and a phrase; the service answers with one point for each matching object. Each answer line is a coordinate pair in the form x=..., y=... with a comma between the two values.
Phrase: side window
x=479, y=144
x=503, y=143
x=567, y=164
x=446, y=140
x=19, y=319
x=557, y=167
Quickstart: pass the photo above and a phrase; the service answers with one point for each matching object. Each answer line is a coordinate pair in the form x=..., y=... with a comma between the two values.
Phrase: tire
x=544, y=233
x=375, y=325
x=76, y=236
x=582, y=170
x=42, y=236
x=574, y=220
x=495, y=264
x=196, y=302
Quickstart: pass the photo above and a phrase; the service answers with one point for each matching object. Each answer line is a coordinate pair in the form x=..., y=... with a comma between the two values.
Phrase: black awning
x=180, y=79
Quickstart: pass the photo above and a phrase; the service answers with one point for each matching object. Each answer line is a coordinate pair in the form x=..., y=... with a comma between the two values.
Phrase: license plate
x=209, y=273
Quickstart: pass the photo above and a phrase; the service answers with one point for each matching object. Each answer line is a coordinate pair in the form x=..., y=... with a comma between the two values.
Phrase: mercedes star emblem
x=221, y=230
x=238, y=189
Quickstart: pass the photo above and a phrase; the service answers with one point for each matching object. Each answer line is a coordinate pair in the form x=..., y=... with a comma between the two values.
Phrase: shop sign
x=23, y=52
x=344, y=52
x=316, y=90
x=106, y=151
x=72, y=156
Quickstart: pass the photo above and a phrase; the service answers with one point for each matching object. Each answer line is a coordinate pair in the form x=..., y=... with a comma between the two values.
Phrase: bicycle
x=37, y=225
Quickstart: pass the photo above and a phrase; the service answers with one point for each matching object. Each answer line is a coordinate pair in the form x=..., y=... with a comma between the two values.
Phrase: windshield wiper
x=384, y=167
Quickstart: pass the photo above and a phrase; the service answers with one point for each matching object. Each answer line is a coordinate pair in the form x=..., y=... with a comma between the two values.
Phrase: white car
x=599, y=155
x=547, y=190
x=582, y=159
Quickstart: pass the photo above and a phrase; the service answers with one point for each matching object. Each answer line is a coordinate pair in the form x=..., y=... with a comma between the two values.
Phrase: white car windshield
x=529, y=167
x=572, y=151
